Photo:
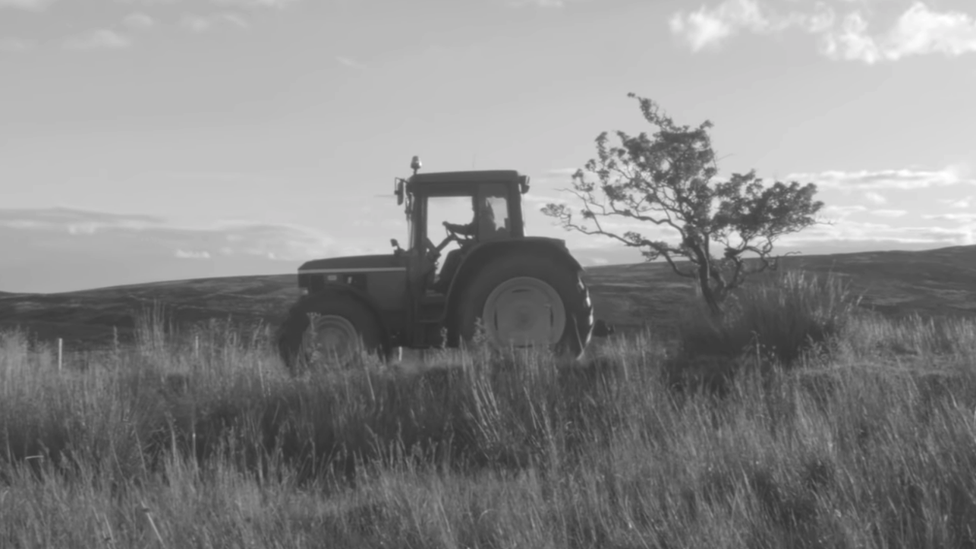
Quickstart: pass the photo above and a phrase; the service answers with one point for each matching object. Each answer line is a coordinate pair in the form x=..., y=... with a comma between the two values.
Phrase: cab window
x=493, y=217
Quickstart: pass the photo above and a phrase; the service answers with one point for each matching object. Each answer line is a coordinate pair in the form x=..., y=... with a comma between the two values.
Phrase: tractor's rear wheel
x=333, y=328
x=528, y=301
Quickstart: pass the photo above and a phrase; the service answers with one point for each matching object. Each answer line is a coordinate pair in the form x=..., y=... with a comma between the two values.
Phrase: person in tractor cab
x=453, y=259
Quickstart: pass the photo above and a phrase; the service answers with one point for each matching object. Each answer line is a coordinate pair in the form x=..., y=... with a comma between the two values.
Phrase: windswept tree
x=667, y=181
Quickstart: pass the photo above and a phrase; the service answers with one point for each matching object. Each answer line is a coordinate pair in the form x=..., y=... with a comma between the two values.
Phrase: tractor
x=518, y=290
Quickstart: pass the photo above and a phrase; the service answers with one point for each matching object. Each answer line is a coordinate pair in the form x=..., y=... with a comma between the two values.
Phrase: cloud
x=32, y=5
x=277, y=4
x=83, y=228
x=863, y=231
x=709, y=27
x=286, y=241
x=59, y=219
x=60, y=249
x=922, y=31
x=842, y=211
x=562, y=171
x=235, y=19
x=138, y=21
x=196, y=23
x=919, y=30
x=955, y=217
x=13, y=44
x=966, y=202
x=541, y=200
x=237, y=4
x=349, y=62
x=888, y=213
x=182, y=254
x=203, y=23
x=865, y=180
x=875, y=198
x=98, y=39
x=539, y=3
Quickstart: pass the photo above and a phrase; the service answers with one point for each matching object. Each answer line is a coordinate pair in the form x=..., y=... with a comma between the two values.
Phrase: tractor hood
x=356, y=263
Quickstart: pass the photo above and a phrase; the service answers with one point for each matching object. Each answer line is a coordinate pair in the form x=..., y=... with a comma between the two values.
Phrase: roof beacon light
x=415, y=164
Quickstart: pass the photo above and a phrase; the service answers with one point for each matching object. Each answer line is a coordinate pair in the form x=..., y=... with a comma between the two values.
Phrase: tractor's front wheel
x=528, y=301
x=331, y=328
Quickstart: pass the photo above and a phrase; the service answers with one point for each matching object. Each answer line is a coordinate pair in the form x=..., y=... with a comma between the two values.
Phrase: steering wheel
x=452, y=235
x=435, y=251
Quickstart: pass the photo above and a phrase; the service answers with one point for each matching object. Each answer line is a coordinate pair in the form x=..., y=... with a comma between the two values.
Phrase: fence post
x=60, y=346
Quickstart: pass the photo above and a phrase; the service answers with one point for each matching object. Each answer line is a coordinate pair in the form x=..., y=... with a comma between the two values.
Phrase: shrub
x=780, y=319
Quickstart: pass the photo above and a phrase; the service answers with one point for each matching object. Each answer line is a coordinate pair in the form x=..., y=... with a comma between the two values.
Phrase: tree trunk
x=710, y=298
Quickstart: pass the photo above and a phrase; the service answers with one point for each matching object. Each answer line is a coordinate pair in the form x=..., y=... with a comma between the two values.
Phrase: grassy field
x=800, y=421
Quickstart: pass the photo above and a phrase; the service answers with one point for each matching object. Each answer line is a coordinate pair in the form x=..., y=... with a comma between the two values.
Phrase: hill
x=938, y=282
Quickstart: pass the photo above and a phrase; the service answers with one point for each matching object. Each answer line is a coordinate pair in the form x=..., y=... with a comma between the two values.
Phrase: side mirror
x=398, y=191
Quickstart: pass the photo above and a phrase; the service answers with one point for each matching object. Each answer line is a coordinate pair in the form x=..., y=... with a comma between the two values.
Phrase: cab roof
x=465, y=177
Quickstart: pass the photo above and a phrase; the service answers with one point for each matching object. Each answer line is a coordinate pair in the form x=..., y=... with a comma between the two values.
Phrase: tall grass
x=199, y=438
x=792, y=314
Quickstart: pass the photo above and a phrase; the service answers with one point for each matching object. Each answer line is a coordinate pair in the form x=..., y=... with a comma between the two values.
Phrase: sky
x=149, y=140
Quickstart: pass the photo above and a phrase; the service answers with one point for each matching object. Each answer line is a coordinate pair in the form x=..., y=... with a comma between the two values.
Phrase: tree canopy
x=667, y=181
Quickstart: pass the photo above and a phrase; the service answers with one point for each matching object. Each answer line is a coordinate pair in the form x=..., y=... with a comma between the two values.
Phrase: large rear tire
x=528, y=301
x=333, y=329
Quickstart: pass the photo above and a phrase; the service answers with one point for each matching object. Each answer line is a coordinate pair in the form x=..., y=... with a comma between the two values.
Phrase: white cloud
x=875, y=198
x=922, y=31
x=196, y=23
x=709, y=27
x=541, y=200
x=918, y=31
x=278, y=4
x=850, y=42
x=182, y=254
x=33, y=5
x=98, y=39
x=138, y=21
x=562, y=171
x=82, y=228
x=235, y=19
x=956, y=217
x=888, y=213
x=832, y=210
x=251, y=4
x=539, y=3
x=13, y=44
x=966, y=202
x=22, y=224
x=866, y=180
x=850, y=231
x=203, y=23
x=349, y=62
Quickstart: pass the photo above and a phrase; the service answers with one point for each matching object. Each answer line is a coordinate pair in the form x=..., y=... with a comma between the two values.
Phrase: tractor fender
x=484, y=253
x=368, y=302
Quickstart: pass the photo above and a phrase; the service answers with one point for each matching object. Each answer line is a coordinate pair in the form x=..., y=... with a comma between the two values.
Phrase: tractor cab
x=471, y=208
